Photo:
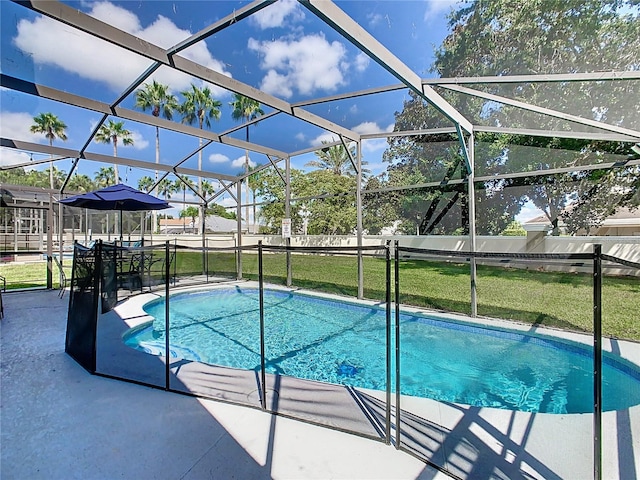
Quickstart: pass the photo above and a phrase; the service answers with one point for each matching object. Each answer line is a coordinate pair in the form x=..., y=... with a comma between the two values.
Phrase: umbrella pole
x=120, y=227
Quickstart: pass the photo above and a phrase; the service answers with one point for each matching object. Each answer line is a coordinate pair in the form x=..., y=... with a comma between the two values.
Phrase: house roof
x=624, y=217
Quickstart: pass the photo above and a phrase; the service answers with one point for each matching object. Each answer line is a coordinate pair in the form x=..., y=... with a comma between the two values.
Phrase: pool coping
x=536, y=442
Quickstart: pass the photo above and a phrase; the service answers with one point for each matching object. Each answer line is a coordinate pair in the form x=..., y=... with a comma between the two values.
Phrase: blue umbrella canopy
x=117, y=197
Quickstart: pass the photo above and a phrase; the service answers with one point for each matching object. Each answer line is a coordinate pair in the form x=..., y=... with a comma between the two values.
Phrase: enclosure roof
x=323, y=73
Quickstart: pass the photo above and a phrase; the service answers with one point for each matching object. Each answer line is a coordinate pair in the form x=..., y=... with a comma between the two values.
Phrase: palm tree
x=207, y=188
x=335, y=159
x=58, y=177
x=110, y=133
x=53, y=128
x=81, y=183
x=245, y=109
x=254, y=181
x=166, y=188
x=156, y=97
x=181, y=184
x=199, y=105
x=104, y=177
x=145, y=183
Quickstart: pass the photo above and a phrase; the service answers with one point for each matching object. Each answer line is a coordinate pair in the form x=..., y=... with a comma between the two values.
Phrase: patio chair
x=63, y=277
x=136, y=269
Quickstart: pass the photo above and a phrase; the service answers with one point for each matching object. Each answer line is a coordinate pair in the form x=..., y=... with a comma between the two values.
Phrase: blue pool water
x=340, y=342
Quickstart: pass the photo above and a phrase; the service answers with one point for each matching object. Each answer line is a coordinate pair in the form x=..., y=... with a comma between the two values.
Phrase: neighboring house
x=624, y=223
x=216, y=224
x=174, y=226
x=213, y=224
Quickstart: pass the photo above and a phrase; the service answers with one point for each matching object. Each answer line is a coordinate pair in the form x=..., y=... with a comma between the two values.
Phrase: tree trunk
x=246, y=167
x=116, y=226
x=115, y=165
x=154, y=227
x=202, y=209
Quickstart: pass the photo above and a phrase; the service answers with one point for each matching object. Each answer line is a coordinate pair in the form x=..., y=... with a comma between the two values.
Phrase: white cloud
x=376, y=19
x=275, y=15
x=239, y=162
x=116, y=16
x=306, y=65
x=227, y=202
x=98, y=60
x=9, y=156
x=16, y=125
x=139, y=142
x=371, y=145
x=436, y=8
x=368, y=127
x=300, y=136
x=362, y=62
x=326, y=137
x=277, y=84
x=218, y=158
x=215, y=184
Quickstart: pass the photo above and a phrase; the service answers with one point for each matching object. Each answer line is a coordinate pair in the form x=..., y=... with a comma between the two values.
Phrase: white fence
x=627, y=248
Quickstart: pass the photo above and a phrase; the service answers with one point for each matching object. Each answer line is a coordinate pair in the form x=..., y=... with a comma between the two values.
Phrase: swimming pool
x=342, y=342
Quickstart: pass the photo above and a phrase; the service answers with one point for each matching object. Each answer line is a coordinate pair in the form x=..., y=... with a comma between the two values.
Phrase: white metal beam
x=92, y=26
x=537, y=78
x=352, y=31
x=542, y=110
x=234, y=17
x=126, y=114
x=96, y=157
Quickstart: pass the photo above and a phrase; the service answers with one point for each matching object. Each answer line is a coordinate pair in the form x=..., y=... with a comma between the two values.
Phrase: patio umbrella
x=117, y=197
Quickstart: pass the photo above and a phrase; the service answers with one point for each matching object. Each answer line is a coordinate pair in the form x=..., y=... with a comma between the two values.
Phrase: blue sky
x=283, y=50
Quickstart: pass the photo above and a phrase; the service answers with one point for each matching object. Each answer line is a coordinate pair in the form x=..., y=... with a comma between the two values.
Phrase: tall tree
x=105, y=177
x=53, y=128
x=199, y=106
x=110, y=133
x=156, y=97
x=207, y=188
x=145, y=183
x=81, y=183
x=253, y=181
x=183, y=184
x=335, y=213
x=245, y=109
x=220, y=211
x=335, y=159
x=272, y=192
x=501, y=38
x=166, y=188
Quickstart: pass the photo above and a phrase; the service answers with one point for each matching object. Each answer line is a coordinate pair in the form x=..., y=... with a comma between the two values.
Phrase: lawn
x=561, y=300
x=31, y=274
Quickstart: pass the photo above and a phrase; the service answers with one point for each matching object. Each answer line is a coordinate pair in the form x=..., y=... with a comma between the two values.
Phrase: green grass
x=31, y=274
x=562, y=300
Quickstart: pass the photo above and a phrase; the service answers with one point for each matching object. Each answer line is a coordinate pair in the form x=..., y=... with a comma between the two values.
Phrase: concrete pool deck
x=60, y=422
x=471, y=442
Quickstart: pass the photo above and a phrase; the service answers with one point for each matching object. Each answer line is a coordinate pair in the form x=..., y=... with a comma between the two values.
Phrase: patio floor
x=58, y=421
